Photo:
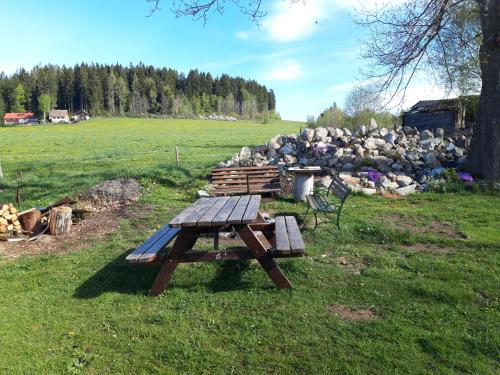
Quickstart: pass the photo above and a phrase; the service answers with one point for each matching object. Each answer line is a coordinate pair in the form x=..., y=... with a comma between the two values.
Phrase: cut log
x=60, y=220
x=30, y=221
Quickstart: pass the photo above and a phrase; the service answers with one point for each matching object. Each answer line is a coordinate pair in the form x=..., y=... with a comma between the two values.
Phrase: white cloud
x=287, y=71
x=289, y=22
x=243, y=35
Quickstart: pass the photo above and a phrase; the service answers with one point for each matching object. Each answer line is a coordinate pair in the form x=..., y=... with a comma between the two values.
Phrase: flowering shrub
x=372, y=175
x=465, y=177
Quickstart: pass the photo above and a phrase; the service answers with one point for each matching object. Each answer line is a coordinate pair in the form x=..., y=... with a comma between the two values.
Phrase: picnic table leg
x=184, y=242
x=264, y=258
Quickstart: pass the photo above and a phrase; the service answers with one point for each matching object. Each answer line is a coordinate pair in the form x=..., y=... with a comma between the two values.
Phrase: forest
x=132, y=91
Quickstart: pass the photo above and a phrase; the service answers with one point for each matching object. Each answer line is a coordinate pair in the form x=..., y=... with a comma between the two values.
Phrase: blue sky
x=309, y=65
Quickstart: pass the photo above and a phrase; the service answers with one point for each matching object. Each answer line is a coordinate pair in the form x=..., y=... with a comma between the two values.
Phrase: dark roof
x=436, y=105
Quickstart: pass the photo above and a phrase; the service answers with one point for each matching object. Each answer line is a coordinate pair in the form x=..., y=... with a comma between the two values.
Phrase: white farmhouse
x=58, y=116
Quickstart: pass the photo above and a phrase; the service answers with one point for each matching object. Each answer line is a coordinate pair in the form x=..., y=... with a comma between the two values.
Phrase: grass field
x=421, y=273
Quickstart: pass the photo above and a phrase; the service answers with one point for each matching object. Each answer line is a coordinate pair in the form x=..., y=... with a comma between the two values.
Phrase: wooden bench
x=288, y=238
x=321, y=202
x=149, y=250
x=246, y=180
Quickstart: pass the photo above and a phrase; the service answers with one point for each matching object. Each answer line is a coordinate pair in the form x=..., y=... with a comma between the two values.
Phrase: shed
x=431, y=114
x=57, y=116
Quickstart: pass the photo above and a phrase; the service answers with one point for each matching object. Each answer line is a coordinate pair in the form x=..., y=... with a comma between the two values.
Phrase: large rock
x=373, y=125
x=307, y=134
x=245, y=153
x=426, y=134
x=390, y=137
x=404, y=191
x=320, y=134
x=335, y=133
x=274, y=143
x=286, y=149
x=361, y=131
x=431, y=161
x=404, y=180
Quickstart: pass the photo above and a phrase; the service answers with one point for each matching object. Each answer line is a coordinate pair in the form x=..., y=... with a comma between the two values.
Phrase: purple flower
x=372, y=175
x=465, y=177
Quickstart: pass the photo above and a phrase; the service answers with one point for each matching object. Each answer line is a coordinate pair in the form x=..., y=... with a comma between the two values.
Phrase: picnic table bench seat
x=289, y=241
x=148, y=251
x=246, y=180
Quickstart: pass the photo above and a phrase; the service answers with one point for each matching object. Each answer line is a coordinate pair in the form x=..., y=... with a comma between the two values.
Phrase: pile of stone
x=404, y=157
x=217, y=117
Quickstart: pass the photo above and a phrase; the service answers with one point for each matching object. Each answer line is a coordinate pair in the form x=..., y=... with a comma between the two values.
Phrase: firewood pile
x=55, y=219
x=9, y=221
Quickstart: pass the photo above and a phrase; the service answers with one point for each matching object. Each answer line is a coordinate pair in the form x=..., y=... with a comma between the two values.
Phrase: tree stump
x=60, y=220
x=30, y=221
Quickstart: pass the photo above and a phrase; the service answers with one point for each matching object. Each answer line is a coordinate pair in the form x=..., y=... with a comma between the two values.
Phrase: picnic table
x=211, y=215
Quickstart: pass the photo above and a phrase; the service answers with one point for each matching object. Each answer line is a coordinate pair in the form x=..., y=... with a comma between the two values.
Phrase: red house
x=20, y=118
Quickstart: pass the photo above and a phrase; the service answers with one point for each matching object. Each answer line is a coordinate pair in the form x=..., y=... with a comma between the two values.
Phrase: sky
x=308, y=53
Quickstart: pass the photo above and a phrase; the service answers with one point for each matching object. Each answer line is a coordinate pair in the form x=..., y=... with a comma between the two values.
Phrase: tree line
x=134, y=91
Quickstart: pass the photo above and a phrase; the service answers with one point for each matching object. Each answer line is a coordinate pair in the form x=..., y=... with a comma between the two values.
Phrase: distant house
x=20, y=118
x=57, y=116
x=83, y=115
x=430, y=114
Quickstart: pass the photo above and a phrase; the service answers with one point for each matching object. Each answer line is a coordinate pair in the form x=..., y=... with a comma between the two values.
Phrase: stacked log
x=9, y=222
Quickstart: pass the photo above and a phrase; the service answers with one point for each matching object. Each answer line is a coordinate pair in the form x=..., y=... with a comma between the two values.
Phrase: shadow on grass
x=229, y=276
x=118, y=276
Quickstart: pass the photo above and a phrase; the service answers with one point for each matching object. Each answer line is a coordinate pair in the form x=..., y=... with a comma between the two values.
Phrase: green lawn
x=426, y=266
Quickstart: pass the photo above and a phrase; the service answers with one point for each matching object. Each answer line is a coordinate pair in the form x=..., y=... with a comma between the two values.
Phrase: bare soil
x=350, y=314
x=435, y=227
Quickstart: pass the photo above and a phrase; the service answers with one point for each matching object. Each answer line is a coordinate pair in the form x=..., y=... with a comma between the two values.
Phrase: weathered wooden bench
x=149, y=250
x=288, y=238
x=246, y=180
x=321, y=203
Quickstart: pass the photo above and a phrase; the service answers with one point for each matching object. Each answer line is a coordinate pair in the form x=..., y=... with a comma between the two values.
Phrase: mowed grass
x=427, y=267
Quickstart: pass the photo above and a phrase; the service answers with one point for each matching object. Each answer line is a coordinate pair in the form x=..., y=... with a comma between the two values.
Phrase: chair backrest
x=338, y=188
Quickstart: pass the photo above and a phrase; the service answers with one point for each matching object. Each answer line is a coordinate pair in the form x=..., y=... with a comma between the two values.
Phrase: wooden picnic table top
x=219, y=211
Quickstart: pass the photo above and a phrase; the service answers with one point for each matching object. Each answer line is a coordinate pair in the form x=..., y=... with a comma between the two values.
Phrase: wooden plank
x=252, y=210
x=239, y=169
x=238, y=212
x=184, y=242
x=312, y=201
x=282, y=242
x=177, y=221
x=133, y=256
x=192, y=220
x=264, y=257
x=152, y=253
x=294, y=236
x=225, y=212
x=206, y=219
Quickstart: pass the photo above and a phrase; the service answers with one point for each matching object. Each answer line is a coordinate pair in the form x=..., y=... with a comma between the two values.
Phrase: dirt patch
x=95, y=227
x=353, y=315
x=431, y=226
x=354, y=266
x=429, y=248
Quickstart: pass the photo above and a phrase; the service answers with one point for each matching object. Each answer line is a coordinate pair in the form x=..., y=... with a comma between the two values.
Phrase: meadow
x=408, y=286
